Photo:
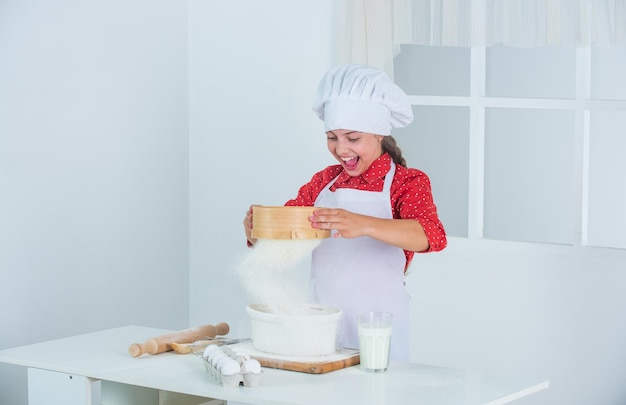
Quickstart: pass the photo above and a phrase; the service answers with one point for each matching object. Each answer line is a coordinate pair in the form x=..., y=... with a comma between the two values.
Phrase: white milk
x=374, y=346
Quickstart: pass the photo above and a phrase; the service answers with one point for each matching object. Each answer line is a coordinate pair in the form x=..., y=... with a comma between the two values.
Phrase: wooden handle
x=221, y=329
x=160, y=344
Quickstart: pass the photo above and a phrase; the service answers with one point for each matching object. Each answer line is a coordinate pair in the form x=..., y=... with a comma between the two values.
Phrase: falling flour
x=270, y=273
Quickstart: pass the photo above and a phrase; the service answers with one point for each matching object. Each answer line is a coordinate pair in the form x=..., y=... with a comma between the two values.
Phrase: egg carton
x=231, y=368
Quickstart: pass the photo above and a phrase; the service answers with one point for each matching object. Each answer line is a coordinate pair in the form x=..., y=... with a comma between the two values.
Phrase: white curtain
x=375, y=29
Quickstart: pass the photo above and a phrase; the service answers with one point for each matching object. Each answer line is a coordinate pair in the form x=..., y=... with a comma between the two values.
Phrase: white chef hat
x=361, y=98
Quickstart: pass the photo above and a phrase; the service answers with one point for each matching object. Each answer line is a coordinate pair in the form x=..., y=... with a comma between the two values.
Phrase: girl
x=380, y=211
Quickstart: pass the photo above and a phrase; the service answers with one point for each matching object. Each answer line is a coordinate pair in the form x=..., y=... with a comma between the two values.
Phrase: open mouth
x=350, y=163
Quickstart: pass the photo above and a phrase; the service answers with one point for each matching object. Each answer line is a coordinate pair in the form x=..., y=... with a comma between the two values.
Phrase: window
x=521, y=144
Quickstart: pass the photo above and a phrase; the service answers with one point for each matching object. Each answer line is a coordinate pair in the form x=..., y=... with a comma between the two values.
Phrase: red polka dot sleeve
x=411, y=198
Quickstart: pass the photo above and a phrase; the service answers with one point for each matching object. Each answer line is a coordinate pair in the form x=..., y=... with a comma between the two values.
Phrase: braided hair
x=389, y=145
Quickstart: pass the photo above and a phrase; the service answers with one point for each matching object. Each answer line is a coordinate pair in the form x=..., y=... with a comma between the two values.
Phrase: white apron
x=362, y=274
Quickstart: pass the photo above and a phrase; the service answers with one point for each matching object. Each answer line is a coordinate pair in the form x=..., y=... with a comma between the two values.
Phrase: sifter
x=282, y=222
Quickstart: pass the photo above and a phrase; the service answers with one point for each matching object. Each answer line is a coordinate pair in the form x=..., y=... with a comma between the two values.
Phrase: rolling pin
x=160, y=344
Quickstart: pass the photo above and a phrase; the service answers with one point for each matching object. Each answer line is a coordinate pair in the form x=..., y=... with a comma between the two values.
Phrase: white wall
x=93, y=170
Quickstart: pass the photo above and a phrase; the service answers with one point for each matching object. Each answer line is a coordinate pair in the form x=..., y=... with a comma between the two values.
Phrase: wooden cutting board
x=312, y=365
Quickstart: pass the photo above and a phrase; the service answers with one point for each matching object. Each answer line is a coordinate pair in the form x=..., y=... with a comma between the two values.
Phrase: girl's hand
x=347, y=224
x=247, y=225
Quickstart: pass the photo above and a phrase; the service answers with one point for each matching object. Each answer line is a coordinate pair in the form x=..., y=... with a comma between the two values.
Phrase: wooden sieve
x=285, y=223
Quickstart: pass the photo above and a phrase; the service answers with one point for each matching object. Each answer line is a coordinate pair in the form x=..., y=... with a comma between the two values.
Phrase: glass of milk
x=374, y=340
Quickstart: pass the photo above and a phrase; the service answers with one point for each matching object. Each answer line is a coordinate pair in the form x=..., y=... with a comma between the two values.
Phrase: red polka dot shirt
x=411, y=195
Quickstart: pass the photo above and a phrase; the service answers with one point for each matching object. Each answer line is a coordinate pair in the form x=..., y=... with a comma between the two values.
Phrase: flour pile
x=275, y=273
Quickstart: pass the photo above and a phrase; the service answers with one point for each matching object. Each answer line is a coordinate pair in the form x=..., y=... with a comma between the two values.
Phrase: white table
x=85, y=360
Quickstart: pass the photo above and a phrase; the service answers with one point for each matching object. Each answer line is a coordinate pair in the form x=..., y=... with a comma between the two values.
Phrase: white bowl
x=306, y=330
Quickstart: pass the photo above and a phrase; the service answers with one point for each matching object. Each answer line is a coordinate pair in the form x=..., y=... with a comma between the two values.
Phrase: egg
x=251, y=366
x=230, y=367
x=215, y=357
x=208, y=350
x=222, y=361
x=214, y=354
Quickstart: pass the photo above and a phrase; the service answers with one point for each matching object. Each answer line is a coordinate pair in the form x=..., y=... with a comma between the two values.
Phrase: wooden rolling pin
x=160, y=344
